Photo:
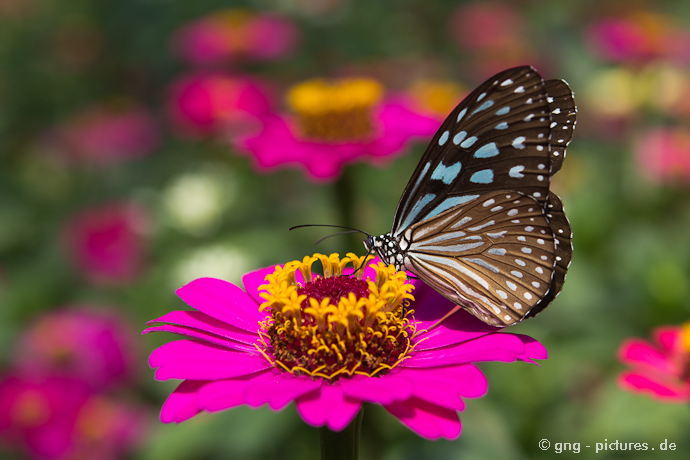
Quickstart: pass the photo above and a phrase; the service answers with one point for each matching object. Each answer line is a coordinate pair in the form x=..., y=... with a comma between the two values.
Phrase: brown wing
x=495, y=256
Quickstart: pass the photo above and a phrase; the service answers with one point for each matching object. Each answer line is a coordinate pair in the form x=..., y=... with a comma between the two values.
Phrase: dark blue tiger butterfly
x=477, y=221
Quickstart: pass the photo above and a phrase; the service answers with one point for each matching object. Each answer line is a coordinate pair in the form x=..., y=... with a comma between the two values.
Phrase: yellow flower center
x=436, y=96
x=335, y=111
x=336, y=325
x=685, y=336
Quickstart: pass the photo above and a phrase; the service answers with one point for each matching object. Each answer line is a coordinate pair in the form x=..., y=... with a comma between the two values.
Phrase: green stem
x=341, y=445
x=345, y=197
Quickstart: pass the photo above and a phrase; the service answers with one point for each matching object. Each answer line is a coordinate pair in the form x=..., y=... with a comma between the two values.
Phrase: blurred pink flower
x=663, y=155
x=336, y=123
x=494, y=33
x=234, y=358
x=202, y=104
x=230, y=34
x=95, y=346
x=103, y=135
x=637, y=37
x=662, y=369
x=56, y=418
x=106, y=242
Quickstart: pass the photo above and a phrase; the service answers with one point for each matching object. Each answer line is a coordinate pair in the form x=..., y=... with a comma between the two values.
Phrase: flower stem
x=345, y=197
x=341, y=445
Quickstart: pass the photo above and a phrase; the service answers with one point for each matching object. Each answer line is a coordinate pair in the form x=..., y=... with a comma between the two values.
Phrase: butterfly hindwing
x=494, y=255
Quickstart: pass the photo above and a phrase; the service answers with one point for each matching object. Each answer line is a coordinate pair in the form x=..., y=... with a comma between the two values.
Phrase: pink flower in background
x=664, y=154
x=639, y=36
x=56, y=418
x=108, y=429
x=661, y=369
x=38, y=416
x=202, y=104
x=336, y=123
x=95, y=346
x=104, y=135
x=239, y=353
x=494, y=33
x=106, y=242
x=230, y=34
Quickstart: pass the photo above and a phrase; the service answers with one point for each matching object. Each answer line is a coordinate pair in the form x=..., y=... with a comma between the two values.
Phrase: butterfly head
x=388, y=248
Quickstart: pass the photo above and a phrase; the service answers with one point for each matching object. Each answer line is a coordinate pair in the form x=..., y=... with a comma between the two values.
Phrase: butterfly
x=477, y=221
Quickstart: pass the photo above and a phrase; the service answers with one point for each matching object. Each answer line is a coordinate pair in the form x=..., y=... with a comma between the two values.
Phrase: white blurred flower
x=222, y=261
x=195, y=202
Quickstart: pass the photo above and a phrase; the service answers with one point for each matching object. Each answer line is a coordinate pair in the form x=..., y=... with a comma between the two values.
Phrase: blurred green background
x=631, y=263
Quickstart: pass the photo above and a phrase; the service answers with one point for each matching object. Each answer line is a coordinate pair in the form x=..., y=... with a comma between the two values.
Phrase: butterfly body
x=477, y=221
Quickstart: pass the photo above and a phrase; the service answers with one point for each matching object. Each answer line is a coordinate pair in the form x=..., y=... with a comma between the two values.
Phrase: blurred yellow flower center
x=685, y=336
x=335, y=111
x=436, y=96
x=336, y=325
x=30, y=409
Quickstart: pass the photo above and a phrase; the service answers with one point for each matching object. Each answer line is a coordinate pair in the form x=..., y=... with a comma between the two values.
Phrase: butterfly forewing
x=494, y=255
x=497, y=138
x=563, y=120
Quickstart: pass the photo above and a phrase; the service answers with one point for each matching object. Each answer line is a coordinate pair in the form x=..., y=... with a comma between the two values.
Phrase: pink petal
x=181, y=404
x=383, y=390
x=189, y=359
x=639, y=352
x=253, y=280
x=533, y=349
x=223, y=301
x=670, y=338
x=328, y=406
x=459, y=327
x=426, y=419
x=202, y=335
x=199, y=320
x=657, y=387
x=278, y=389
x=229, y=393
x=464, y=380
x=491, y=347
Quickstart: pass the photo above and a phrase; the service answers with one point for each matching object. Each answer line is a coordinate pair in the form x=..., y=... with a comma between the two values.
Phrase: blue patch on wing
x=446, y=174
x=485, y=176
x=450, y=203
x=487, y=151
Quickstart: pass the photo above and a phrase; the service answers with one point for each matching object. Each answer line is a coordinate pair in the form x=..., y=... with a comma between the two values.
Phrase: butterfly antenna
x=364, y=261
x=333, y=226
x=335, y=234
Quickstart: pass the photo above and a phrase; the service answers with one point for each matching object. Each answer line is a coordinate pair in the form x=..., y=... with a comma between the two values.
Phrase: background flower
x=231, y=34
x=106, y=242
x=95, y=346
x=659, y=369
x=103, y=135
x=215, y=103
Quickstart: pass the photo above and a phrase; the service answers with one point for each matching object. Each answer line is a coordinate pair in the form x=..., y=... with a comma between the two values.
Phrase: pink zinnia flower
x=662, y=369
x=95, y=346
x=203, y=104
x=56, y=418
x=103, y=135
x=664, y=155
x=106, y=242
x=329, y=345
x=336, y=123
x=638, y=36
x=231, y=34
